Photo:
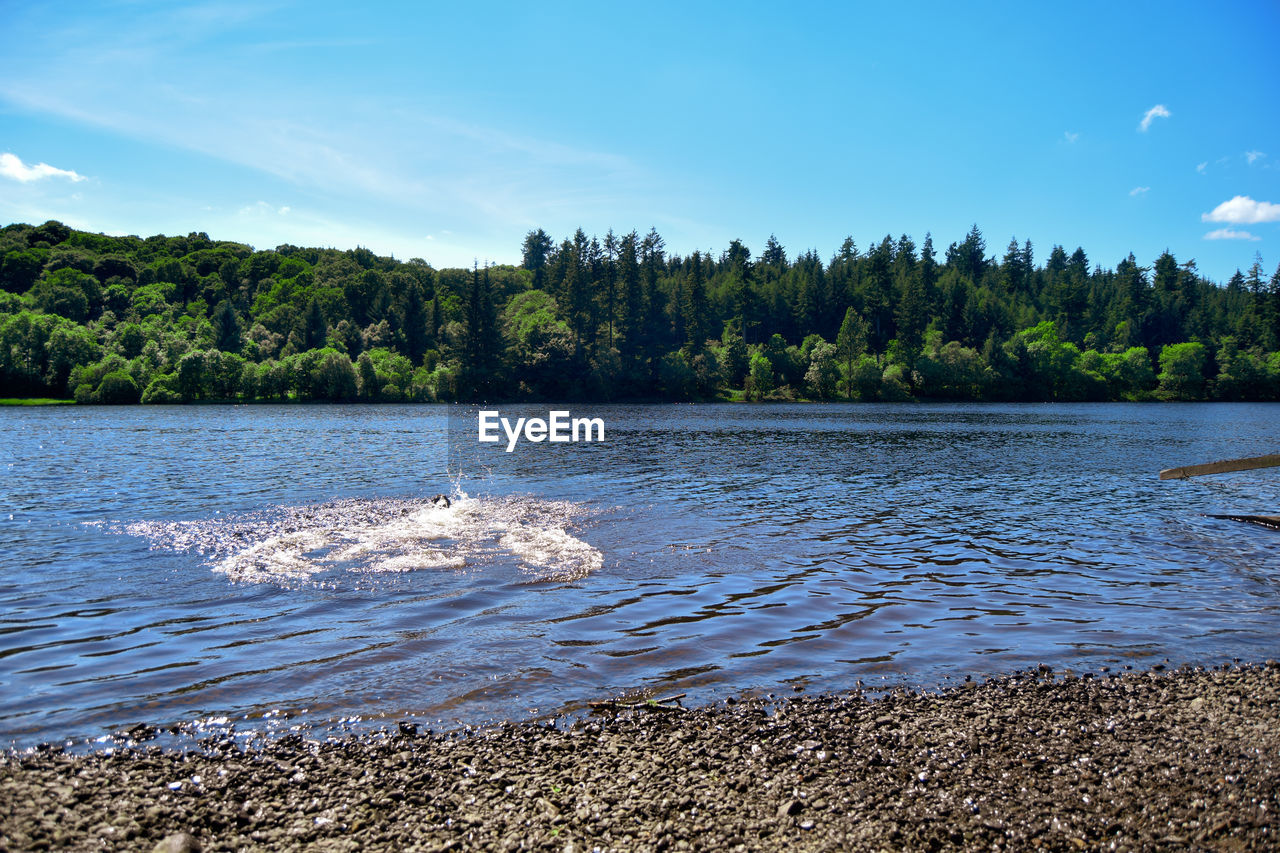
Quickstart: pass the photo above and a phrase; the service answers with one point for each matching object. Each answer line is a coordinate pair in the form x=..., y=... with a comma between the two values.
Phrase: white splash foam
x=374, y=536
x=551, y=551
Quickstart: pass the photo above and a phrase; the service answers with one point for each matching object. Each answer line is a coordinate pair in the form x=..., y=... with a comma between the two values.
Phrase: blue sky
x=448, y=131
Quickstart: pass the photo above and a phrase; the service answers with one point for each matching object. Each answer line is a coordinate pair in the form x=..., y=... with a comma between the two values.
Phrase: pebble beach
x=1183, y=759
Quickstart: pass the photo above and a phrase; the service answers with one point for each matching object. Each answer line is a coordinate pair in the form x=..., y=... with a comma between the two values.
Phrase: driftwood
x=1226, y=466
x=1272, y=521
x=663, y=704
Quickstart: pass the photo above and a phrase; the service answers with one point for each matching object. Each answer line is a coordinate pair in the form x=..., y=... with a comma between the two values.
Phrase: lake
x=175, y=564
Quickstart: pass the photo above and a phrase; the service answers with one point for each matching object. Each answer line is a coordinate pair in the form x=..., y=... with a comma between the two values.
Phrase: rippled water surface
x=172, y=564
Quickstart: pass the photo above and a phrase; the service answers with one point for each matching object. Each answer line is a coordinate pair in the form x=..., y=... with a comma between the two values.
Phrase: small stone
x=179, y=842
x=790, y=808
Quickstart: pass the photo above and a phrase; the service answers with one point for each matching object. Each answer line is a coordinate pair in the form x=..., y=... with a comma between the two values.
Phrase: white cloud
x=1158, y=111
x=1243, y=210
x=1253, y=155
x=1230, y=234
x=1139, y=190
x=1200, y=168
x=1069, y=136
x=263, y=209
x=12, y=167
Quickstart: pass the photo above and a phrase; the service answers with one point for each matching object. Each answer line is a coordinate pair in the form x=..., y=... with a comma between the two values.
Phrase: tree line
x=175, y=319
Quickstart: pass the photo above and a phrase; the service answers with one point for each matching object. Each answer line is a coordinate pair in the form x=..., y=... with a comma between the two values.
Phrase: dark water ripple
x=714, y=549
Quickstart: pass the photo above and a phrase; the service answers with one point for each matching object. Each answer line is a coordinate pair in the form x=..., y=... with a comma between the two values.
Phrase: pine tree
x=226, y=328
x=774, y=255
x=928, y=266
x=482, y=343
x=610, y=277
x=578, y=304
x=434, y=321
x=631, y=319
x=877, y=293
x=415, y=323
x=651, y=263
x=315, y=329
x=697, y=319
x=537, y=246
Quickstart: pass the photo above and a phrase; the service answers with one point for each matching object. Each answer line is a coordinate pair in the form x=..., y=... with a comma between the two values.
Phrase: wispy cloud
x=176, y=77
x=263, y=209
x=1070, y=137
x=1202, y=167
x=1158, y=111
x=454, y=170
x=11, y=166
x=1243, y=210
x=1139, y=190
x=1230, y=234
x=1253, y=156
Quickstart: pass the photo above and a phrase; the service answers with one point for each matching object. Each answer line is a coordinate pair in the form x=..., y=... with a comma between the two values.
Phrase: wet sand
x=1188, y=759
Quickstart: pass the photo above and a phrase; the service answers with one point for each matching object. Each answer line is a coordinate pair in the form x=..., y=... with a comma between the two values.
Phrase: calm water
x=175, y=564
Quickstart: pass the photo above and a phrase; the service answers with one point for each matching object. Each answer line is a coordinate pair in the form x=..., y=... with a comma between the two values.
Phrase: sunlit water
x=174, y=564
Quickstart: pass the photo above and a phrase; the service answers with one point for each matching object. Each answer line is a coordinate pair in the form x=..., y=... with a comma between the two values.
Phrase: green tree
x=759, y=376
x=68, y=293
x=315, y=329
x=851, y=343
x=118, y=387
x=865, y=378
x=414, y=323
x=1242, y=375
x=1129, y=375
x=482, y=341
x=19, y=270
x=824, y=372
x=679, y=381
x=367, y=386
x=697, y=315
x=1182, y=371
x=537, y=246
x=539, y=346
x=191, y=381
x=68, y=345
x=333, y=377
x=226, y=328
x=161, y=389
x=736, y=359
x=951, y=371
x=631, y=319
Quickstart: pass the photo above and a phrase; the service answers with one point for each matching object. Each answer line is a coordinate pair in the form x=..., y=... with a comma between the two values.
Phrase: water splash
x=371, y=536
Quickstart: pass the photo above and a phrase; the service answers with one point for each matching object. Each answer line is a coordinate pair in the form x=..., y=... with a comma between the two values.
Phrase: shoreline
x=1188, y=758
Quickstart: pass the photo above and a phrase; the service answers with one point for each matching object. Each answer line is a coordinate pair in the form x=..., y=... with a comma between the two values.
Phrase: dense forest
x=174, y=319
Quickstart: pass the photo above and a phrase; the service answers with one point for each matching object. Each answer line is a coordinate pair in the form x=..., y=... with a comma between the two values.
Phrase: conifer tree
x=226, y=328
x=696, y=315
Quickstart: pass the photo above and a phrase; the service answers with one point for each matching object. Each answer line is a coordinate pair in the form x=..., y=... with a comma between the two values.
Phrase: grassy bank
x=34, y=401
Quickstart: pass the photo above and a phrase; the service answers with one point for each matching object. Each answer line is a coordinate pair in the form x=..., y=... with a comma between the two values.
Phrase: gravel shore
x=1188, y=759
